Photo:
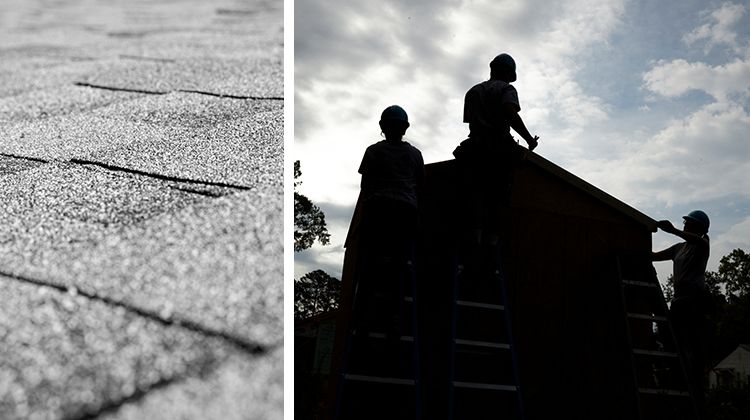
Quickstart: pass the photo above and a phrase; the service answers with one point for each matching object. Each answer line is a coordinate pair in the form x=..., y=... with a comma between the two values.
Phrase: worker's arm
x=663, y=255
x=666, y=254
x=515, y=121
x=668, y=227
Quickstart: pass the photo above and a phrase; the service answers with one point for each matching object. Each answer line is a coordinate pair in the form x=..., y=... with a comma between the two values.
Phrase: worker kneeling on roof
x=487, y=157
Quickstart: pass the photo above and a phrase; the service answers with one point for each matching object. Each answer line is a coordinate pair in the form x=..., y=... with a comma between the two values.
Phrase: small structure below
x=733, y=370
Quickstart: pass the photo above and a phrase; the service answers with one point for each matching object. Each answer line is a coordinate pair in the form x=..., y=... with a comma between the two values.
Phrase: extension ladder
x=659, y=368
x=483, y=373
x=380, y=373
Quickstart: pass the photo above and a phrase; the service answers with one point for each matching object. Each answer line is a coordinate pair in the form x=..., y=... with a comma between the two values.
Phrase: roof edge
x=584, y=186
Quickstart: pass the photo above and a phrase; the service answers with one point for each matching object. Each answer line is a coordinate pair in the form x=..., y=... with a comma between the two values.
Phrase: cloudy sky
x=649, y=101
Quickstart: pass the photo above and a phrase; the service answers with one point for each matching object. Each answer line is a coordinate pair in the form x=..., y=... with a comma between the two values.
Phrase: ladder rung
x=639, y=283
x=475, y=385
x=482, y=344
x=406, y=298
x=382, y=335
x=656, y=318
x=480, y=305
x=657, y=391
x=378, y=379
x=654, y=353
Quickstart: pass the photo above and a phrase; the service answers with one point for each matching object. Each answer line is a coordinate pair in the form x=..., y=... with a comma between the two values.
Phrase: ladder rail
x=453, y=344
x=633, y=352
x=415, y=345
x=345, y=376
x=457, y=276
x=680, y=352
x=513, y=349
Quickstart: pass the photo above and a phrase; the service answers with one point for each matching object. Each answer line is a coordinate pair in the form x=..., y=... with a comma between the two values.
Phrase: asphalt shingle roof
x=141, y=189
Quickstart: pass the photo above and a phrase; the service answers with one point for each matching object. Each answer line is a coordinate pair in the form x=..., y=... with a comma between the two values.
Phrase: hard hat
x=699, y=217
x=505, y=60
x=394, y=113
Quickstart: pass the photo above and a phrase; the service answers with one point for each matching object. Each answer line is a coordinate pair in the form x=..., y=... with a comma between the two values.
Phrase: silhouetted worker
x=487, y=158
x=690, y=304
x=392, y=174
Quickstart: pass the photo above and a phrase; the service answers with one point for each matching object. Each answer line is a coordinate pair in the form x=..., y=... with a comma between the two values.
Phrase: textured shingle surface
x=141, y=162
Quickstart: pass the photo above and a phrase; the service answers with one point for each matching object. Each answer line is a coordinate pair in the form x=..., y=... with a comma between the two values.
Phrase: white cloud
x=677, y=77
x=702, y=156
x=737, y=236
x=352, y=59
x=425, y=56
x=719, y=28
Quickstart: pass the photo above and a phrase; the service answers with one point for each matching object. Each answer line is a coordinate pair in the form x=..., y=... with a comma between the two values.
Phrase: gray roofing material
x=64, y=355
x=141, y=162
x=241, y=388
x=178, y=134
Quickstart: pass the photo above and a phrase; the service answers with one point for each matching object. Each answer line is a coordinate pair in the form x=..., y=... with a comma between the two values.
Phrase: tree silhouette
x=315, y=292
x=309, y=220
x=734, y=270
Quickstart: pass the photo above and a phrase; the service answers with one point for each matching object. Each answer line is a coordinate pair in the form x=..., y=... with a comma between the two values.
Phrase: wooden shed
x=559, y=257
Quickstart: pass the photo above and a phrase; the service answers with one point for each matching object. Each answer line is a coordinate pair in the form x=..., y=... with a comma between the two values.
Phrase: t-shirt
x=483, y=108
x=690, y=259
x=392, y=171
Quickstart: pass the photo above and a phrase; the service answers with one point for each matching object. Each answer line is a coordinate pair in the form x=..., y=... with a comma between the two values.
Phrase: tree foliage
x=315, y=292
x=734, y=270
x=309, y=220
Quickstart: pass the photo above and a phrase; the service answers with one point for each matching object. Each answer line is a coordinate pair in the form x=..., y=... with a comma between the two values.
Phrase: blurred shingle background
x=141, y=161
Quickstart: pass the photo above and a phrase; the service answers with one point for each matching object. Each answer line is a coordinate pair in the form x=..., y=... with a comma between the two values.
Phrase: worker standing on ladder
x=486, y=159
x=392, y=176
x=690, y=304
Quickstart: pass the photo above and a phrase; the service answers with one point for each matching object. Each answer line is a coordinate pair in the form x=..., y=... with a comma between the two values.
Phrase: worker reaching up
x=392, y=175
x=486, y=159
x=690, y=305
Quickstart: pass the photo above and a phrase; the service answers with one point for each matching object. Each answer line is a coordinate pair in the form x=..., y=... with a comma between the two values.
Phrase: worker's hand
x=665, y=225
x=533, y=143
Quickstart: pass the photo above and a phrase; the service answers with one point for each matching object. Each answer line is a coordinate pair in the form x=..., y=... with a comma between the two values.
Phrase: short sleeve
x=366, y=162
x=672, y=251
x=420, y=169
x=510, y=96
x=471, y=99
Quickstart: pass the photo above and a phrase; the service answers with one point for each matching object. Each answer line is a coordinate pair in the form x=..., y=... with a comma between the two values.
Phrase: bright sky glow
x=648, y=101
